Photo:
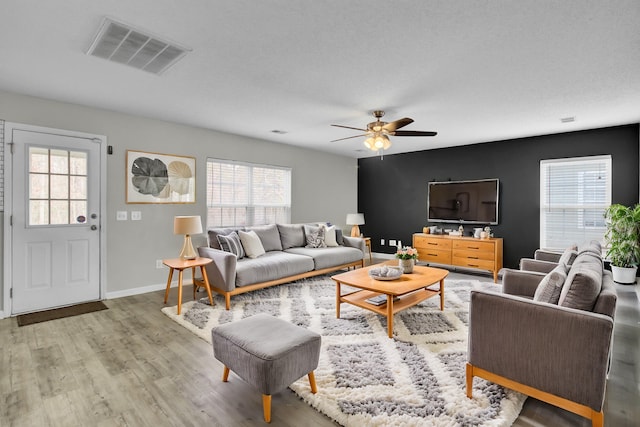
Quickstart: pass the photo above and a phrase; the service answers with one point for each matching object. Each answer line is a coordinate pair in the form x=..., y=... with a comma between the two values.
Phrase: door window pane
x=39, y=186
x=59, y=187
x=59, y=161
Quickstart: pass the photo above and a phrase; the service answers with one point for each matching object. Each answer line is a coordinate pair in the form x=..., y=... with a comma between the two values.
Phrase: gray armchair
x=553, y=353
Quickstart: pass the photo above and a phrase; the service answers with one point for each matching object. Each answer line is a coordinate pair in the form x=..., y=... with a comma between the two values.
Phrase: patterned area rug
x=364, y=377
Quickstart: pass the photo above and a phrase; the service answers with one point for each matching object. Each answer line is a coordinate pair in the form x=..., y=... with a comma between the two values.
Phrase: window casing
x=574, y=194
x=243, y=194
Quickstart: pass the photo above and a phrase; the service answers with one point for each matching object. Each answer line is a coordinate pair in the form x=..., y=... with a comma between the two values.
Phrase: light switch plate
x=136, y=215
x=121, y=215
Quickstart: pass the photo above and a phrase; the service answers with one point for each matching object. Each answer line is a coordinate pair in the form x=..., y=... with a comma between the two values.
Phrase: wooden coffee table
x=411, y=289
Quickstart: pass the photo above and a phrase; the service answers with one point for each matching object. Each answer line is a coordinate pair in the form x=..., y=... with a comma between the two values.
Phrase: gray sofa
x=548, y=336
x=287, y=257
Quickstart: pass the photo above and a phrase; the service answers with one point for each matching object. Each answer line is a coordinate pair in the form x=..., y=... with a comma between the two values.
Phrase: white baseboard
x=140, y=290
x=383, y=256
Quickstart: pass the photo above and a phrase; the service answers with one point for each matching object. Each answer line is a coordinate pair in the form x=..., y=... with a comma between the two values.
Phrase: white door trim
x=9, y=127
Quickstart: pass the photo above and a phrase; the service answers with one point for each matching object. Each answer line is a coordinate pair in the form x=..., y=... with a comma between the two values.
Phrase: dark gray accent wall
x=392, y=192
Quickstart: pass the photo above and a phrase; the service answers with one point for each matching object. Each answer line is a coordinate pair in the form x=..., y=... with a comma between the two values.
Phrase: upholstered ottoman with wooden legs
x=268, y=353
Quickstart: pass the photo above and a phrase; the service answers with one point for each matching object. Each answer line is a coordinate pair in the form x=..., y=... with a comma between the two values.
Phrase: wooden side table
x=367, y=241
x=182, y=264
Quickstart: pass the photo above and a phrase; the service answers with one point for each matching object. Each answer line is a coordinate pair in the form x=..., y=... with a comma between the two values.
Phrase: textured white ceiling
x=473, y=70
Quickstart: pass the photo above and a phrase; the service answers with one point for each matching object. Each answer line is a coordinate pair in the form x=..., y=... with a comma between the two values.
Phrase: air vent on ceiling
x=124, y=44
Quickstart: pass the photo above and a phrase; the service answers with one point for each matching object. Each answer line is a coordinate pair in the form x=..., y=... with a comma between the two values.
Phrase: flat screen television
x=466, y=202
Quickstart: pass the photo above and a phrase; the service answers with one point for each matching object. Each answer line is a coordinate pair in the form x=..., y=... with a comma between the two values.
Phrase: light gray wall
x=324, y=186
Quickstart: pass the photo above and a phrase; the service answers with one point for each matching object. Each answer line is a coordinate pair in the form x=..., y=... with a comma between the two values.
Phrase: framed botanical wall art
x=160, y=178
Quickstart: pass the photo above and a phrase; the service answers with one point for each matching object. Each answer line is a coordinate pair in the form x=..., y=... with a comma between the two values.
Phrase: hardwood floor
x=132, y=366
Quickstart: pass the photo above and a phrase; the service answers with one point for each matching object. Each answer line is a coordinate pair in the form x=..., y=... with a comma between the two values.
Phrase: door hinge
x=11, y=144
x=10, y=292
x=10, y=220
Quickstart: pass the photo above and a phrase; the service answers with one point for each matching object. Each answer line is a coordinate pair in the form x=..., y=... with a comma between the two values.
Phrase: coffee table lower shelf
x=359, y=298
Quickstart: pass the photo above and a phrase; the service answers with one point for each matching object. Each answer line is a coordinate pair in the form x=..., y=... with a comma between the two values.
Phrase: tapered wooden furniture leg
x=225, y=374
x=266, y=407
x=442, y=295
x=390, y=315
x=180, y=290
x=166, y=292
x=312, y=382
x=469, y=381
x=193, y=279
x=205, y=279
x=337, y=300
x=597, y=419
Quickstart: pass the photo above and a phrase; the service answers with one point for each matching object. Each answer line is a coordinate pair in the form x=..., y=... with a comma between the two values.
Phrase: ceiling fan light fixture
x=369, y=143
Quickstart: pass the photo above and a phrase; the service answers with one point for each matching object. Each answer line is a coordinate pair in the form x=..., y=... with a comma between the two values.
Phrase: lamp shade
x=187, y=225
x=355, y=219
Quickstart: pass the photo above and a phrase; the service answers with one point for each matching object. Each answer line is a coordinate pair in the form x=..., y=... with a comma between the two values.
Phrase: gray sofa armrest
x=559, y=350
x=528, y=264
x=519, y=282
x=546, y=255
x=222, y=271
x=355, y=242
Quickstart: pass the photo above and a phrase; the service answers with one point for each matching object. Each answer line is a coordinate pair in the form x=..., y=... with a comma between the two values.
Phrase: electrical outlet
x=382, y=242
x=159, y=263
x=121, y=215
x=392, y=243
x=136, y=215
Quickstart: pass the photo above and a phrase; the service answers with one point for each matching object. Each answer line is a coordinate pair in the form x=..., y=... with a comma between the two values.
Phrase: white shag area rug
x=416, y=378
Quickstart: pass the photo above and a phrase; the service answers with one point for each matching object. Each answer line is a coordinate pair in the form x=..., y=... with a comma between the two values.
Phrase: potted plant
x=407, y=256
x=623, y=241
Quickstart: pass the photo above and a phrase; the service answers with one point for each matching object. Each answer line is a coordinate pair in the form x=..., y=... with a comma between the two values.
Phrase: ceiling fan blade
x=349, y=137
x=349, y=127
x=392, y=126
x=414, y=133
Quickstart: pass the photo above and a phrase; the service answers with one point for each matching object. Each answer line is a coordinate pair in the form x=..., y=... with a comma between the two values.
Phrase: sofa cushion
x=251, y=243
x=214, y=232
x=550, y=286
x=593, y=247
x=231, y=243
x=291, y=235
x=271, y=266
x=314, y=237
x=269, y=236
x=583, y=283
x=339, y=237
x=329, y=257
x=330, y=238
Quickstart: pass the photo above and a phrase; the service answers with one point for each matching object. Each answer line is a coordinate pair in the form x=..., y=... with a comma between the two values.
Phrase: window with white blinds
x=574, y=194
x=242, y=194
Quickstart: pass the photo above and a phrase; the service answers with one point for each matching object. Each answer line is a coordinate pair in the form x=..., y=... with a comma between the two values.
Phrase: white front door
x=55, y=218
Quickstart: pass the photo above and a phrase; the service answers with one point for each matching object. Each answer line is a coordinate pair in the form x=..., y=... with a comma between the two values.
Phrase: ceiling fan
x=378, y=132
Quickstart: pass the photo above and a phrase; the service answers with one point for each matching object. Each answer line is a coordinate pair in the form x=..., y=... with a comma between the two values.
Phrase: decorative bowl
x=385, y=272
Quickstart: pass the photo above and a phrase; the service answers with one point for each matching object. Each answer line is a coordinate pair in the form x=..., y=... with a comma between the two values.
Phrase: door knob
x=94, y=227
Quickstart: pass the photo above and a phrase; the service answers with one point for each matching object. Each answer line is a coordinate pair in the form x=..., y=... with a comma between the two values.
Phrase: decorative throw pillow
x=231, y=243
x=314, y=236
x=251, y=243
x=550, y=286
x=329, y=235
x=568, y=257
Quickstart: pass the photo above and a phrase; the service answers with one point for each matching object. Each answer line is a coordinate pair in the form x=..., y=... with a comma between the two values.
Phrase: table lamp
x=187, y=225
x=355, y=219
